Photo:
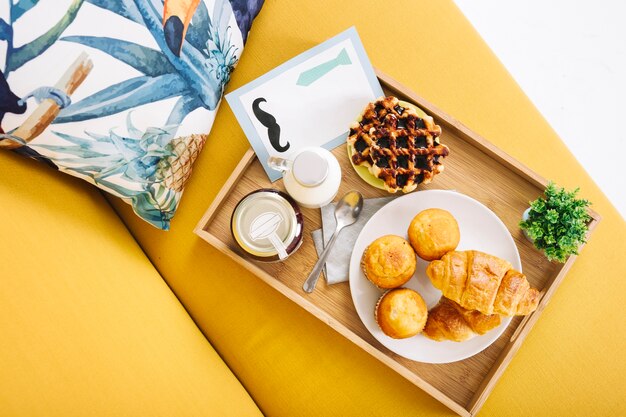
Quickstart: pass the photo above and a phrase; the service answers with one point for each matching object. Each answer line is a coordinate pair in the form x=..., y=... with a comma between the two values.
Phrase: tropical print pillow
x=121, y=93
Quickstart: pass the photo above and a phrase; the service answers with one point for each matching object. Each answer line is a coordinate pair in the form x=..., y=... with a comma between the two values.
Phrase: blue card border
x=234, y=98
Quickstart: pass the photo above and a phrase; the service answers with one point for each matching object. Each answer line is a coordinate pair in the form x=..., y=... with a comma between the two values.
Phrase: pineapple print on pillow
x=121, y=93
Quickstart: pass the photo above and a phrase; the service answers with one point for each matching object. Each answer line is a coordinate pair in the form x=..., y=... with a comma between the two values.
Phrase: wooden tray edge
x=246, y=160
x=482, y=143
x=330, y=321
x=523, y=328
x=529, y=321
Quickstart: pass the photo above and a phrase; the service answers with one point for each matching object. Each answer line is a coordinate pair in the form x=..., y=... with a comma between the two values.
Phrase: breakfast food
x=433, y=233
x=389, y=262
x=449, y=321
x=397, y=145
x=401, y=313
x=483, y=282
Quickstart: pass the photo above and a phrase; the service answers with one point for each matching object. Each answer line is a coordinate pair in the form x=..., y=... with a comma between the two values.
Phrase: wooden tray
x=475, y=167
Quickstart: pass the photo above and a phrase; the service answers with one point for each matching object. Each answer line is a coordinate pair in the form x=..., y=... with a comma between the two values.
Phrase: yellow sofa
x=103, y=315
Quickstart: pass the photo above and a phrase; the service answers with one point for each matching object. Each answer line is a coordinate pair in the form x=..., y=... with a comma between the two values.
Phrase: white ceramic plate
x=480, y=229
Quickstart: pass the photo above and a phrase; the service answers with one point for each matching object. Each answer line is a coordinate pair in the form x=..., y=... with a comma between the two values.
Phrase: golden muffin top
x=433, y=233
x=389, y=261
x=401, y=313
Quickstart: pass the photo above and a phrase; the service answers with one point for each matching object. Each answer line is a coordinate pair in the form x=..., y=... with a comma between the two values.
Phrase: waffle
x=397, y=145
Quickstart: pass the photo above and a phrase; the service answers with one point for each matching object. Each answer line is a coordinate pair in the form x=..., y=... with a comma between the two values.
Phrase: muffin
x=433, y=233
x=401, y=313
x=389, y=262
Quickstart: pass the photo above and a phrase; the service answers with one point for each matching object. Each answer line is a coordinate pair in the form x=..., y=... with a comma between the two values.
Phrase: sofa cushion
x=87, y=325
x=119, y=93
x=295, y=365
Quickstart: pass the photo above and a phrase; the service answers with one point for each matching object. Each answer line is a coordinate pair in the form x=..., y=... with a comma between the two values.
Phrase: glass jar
x=267, y=225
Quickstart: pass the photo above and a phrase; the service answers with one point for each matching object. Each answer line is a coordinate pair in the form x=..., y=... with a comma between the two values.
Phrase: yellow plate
x=363, y=171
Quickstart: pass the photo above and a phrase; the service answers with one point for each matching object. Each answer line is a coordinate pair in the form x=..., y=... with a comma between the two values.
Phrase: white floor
x=570, y=59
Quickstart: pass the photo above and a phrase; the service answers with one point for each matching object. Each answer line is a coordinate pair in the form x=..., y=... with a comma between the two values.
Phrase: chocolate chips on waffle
x=397, y=145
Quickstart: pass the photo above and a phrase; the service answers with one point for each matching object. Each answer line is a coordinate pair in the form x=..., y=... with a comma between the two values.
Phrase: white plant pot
x=524, y=218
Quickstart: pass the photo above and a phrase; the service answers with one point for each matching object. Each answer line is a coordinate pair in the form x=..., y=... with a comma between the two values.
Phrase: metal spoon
x=346, y=213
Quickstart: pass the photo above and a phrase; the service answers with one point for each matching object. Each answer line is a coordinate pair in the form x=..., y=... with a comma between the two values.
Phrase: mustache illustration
x=269, y=121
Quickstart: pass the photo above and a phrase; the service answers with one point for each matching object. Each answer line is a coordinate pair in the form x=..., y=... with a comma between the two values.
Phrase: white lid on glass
x=310, y=168
x=265, y=225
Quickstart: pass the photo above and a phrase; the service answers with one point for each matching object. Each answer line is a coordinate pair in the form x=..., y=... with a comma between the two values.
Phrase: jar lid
x=267, y=225
x=310, y=168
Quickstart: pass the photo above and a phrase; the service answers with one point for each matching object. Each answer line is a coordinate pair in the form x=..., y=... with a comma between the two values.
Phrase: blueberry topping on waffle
x=382, y=161
x=421, y=142
x=403, y=161
x=384, y=142
x=421, y=161
x=402, y=179
x=360, y=145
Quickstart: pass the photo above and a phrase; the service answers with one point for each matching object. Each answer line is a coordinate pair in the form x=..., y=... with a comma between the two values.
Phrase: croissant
x=483, y=282
x=449, y=321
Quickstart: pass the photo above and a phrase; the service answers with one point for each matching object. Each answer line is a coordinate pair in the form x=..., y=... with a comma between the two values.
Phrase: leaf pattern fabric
x=100, y=93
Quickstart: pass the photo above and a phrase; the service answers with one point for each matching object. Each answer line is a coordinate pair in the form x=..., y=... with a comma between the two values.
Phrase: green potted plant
x=557, y=223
